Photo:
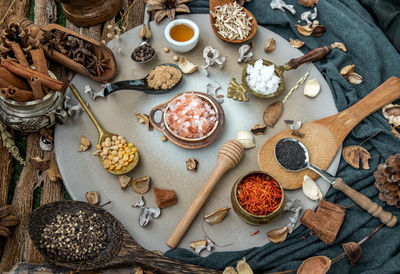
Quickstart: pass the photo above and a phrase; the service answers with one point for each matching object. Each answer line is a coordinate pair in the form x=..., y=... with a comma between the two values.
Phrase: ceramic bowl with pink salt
x=191, y=117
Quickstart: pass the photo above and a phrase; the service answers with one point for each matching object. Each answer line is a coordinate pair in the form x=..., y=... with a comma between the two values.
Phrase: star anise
x=54, y=40
x=7, y=220
x=98, y=64
x=168, y=8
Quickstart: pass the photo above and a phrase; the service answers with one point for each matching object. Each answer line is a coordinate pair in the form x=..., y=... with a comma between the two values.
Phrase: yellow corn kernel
x=112, y=167
x=130, y=160
x=134, y=149
x=130, y=145
x=125, y=164
x=118, y=167
x=110, y=157
x=124, y=146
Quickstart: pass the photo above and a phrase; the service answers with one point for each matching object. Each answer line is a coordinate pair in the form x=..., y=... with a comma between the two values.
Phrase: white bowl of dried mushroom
x=182, y=35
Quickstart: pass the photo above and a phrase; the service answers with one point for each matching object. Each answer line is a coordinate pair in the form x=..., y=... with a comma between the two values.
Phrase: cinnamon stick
x=4, y=83
x=19, y=54
x=17, y=94
x=39, y=61
x=27, y=73
x=12, y=79
x=36, y=87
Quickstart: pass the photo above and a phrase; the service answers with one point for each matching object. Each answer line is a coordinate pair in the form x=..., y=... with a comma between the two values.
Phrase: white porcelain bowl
x=182, y=46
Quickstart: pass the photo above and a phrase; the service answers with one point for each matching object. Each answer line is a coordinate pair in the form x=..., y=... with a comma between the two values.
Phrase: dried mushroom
x=144, y=119
x=139, y=203
x=246, y=139
x=311, y=189
x=145, y=214
x=350, y=75
x=296, y=43
x=92, y=197
x=211, y=57
x=339, y=45
x=198, y=245
x=191, y=164
x=309, y=16
x=272, y=113
x=124, y=181
x=315, y=265
x=84, y=144
x=392, y=113
x=141, y=185
x=212, y=90
x=278, y=235
x=245, y=55
x=217, y=216
x=281, y=5
x=353, y=251
x=259, y=129
x=312, y=88
x=270, y=45
x=315, y=29
x=353, y=154
x=186, y=66
x=308, y=3
x=164, y=197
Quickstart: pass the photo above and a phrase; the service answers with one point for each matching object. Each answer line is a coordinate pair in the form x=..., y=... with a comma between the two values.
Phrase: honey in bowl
x=181, y=33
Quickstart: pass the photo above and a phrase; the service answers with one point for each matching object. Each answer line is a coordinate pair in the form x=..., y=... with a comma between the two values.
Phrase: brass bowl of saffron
x=242, y=210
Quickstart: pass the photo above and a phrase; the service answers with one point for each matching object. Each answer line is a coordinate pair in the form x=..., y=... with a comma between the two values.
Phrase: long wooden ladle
x=229, y=156
x=324, y=137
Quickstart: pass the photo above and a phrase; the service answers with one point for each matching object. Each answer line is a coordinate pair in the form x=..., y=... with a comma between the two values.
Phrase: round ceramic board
x=165, y=162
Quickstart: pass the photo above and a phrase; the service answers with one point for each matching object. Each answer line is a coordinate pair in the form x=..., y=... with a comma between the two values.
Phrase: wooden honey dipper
x=228, y=157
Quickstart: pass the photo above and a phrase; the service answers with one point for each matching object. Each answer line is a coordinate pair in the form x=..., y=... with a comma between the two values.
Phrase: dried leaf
x=270, y=45
x=217, y=216
x=272, y=113
x=353, y=154
x=353, y=251
x=308, y=3
x=159, y=15
x=315, y=265
x=339, y=45
x=296, y=43
x=141, y=185
x=9, y=220
x=84, y=144
x=259, y=129
x=243, y=268
x=144, y=118
x=124, y=181
x=278, y=235
x=171, y=14
x=164, y=197
x=92, y=197
x=182, y=8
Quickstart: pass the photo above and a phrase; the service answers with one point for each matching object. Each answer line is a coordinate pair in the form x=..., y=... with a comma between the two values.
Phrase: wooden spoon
x=213, y=4
x=121, y=250
x=324, y=137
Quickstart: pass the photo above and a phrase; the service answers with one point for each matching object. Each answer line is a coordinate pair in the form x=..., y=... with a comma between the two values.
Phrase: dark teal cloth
x=376, y=59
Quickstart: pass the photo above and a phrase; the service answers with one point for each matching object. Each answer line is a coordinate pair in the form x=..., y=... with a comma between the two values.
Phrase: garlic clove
x=186, y=66
x=312, y=88
x=246, y=139
x=311, y=189
x=270, y=45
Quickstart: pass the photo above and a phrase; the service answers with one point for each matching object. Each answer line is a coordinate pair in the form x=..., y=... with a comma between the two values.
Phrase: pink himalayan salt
x=190, y=116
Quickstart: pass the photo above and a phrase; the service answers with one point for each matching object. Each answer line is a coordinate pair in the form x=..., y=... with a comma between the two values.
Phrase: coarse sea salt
x=262, y=79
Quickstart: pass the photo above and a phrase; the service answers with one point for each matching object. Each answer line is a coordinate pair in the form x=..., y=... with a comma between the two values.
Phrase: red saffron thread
x=259, y=194
x=255, y=232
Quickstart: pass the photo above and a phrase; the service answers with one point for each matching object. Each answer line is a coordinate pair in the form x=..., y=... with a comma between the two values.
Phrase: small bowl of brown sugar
x=164, y=77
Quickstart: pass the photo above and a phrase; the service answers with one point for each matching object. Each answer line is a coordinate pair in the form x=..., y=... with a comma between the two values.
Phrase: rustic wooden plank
x=20, y=7
x=5, y=174
x=45, y=12
x=18, y=245
x=135, y=15
x=93, y=32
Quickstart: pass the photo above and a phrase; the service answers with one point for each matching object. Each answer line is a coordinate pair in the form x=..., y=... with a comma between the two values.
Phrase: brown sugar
x=164, y=77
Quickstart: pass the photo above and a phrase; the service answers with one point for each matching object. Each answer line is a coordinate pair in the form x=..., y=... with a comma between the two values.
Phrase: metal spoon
x=103, y=134
x=139, y=84
x=363, y=201
x=144, y=38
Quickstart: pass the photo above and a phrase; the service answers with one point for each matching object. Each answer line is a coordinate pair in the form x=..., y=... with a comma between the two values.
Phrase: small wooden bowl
x=246, y=216
x=213, y=4
x=189, y=143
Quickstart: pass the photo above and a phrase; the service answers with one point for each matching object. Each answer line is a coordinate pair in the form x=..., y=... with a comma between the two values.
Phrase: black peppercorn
x=143, y=53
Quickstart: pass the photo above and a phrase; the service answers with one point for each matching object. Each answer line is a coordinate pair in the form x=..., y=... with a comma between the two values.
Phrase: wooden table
x=18, y=248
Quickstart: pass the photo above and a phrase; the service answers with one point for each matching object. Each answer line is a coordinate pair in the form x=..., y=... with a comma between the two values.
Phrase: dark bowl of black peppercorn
x=143, y=53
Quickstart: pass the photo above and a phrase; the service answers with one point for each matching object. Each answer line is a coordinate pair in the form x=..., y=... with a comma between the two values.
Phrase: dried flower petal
x=84, y=144
x=339, y=45
x=92, y=197
x=141, y=185
x=296, y=43
x=144, y=118
x=278, y=235
x=191, y=164
x=245, y=55
x=270, y=45
x=353, y=251
x=217, y=216
x=272, y=113
x=315, y=265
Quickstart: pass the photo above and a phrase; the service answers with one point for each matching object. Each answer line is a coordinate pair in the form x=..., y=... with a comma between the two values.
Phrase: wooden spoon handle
x=314, y=55
x=363, y=201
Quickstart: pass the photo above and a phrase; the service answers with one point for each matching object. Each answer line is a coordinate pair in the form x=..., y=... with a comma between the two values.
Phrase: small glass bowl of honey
x=182, y=35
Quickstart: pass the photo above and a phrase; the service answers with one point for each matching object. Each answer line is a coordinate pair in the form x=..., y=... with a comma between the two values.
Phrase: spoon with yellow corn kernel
x=116, y=154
